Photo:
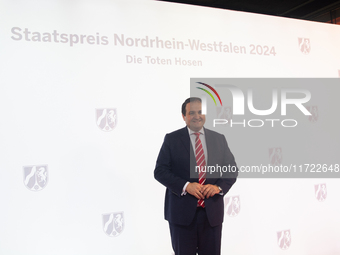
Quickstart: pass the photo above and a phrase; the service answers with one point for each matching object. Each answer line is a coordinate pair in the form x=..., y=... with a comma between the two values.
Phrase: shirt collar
x=193, y=132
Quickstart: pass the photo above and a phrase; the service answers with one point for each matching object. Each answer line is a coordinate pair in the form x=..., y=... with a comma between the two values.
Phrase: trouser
x=197, y=238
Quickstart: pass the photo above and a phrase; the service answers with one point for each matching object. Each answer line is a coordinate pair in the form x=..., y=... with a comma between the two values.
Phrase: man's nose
x=197, y=115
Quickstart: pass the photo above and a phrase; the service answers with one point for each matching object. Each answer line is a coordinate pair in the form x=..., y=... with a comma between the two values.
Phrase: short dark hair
x=188, y=100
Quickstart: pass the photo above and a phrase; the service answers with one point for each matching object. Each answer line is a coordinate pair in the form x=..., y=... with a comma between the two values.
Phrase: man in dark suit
x=194, y=204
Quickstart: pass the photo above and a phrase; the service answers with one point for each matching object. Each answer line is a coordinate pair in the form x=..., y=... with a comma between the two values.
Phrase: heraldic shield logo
x=232, y=205
x=275, y=156
x=304, y=45
x=284, y=239
x=106, y=118
x=35, y=177
x=320, y=192
x=315, y=113
x=224, y=112
x=113, y=223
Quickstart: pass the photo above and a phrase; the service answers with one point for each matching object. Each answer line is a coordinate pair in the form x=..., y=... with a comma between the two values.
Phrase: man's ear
x=183, y=117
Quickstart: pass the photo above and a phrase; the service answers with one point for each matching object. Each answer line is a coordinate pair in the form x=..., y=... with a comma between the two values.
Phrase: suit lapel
x=209, y=144
x=210, y=148
x=186, y=139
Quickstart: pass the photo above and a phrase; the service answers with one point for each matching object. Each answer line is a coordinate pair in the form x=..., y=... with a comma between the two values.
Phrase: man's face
x=193, y=116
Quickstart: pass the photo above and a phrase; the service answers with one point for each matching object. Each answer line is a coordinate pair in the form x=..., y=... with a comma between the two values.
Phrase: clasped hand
x=202, y=191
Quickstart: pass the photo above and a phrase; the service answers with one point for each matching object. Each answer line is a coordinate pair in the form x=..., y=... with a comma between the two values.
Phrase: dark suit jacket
x=176, y=160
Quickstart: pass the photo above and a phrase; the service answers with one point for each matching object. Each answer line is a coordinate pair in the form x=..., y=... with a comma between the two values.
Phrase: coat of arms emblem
x=284, y=239
x=232, y=205
x=113, y=223
x=106, y=119
x=275, y=156
x=35, y=177
x=320, y=192
x=304, y=45
x=315, y=113
x=224, y=112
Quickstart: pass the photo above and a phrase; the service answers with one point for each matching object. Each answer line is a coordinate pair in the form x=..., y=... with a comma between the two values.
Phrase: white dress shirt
x=193, y=141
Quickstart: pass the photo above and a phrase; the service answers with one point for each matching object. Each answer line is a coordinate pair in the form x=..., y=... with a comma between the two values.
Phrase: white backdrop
x=68, y=187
